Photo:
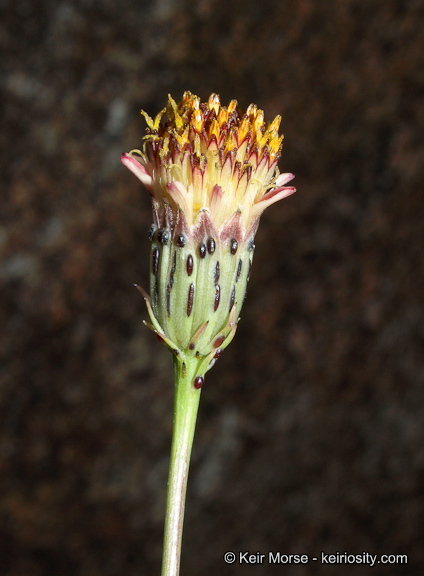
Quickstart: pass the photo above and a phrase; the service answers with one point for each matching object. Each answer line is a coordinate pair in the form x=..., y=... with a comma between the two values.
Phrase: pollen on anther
x=189, y=265
x=190, y=299
x=233, y=246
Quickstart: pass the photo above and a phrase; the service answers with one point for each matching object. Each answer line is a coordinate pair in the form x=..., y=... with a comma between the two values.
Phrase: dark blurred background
x=311, y=430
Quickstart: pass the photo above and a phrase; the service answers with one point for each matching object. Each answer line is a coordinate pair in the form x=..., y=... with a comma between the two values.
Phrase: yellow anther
x=214, y=129
x=274, y=126
x=243, y=129
x=228, y=148
x=165, y=147
x=275, y=143
x=257, y=126
x=222, y=116
x=262, y=140
x=232, y=106
x=197, y=148
x=274, y=146
x=259, y=120
x=187, y=97
x=179, y=122
x=251, y=111
x=197, y=121
x=214, y=103
x=230, y=144
x=182, y=139
x=149, y=120
x=159, y=118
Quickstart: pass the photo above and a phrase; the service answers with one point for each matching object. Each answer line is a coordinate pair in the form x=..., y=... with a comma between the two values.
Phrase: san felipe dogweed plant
x=211, y=171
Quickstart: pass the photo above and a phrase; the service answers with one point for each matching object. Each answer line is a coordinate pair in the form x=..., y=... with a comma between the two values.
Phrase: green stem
x=185, y=412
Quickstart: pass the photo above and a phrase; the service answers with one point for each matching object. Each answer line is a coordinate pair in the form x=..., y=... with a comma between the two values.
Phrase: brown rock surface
x=311, y=429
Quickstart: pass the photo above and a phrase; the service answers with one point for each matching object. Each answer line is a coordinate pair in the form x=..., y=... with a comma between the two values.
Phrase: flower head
x=210, y=157
x=211, y=171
